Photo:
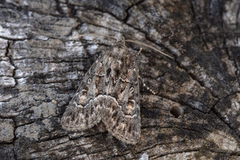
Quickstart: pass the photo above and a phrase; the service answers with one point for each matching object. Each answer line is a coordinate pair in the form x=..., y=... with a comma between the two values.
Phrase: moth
x=109, y=92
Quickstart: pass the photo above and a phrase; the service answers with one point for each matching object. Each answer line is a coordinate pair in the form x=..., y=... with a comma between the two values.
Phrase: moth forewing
x=83, y=111
x=109, y=92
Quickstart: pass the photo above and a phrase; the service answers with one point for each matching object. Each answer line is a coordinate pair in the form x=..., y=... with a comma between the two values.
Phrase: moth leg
x=144, y=85
x=95, y=42
x=139, y=51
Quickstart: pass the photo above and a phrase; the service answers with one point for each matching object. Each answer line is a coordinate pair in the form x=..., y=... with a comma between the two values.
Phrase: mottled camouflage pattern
x=109, y=92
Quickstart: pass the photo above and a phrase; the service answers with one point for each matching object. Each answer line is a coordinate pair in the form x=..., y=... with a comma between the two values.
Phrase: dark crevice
x=73, y=29
x=229, y=57
x=222, y=119
x=149, y=147
x=88, y=7
x=5, y=76
x=237, y=16
x=7, y=117
x=192, y=9
x=139, y=2
x=86, y=136
x=170, y=127
x=213, y=110
x=127, y=17
x=186, y=104
x=237, y=26
x=195, y=79
x=72, y=14
x=227, y=153
x=14, y=39
x=73, y=11
x=127, y=10
x=56, y=138
x=59, y=8
x=221, y=15
x=204, y=41
x=6, y=143
x=9, y=90
x=199, y=29
x=11, y=62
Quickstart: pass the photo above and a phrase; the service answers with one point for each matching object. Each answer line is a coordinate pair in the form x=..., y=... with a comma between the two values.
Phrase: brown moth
x=109, y=92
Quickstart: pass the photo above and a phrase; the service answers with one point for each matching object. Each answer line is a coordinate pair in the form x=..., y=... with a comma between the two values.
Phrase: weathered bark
x=194, y=113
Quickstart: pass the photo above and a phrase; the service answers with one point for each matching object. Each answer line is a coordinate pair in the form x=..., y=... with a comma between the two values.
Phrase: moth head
x=130, y=107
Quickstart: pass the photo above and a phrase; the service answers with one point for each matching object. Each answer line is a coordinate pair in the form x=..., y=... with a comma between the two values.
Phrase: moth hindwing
x=109, y=92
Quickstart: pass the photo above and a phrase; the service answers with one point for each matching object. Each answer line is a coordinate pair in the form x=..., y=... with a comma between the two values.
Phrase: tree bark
x=189, y=104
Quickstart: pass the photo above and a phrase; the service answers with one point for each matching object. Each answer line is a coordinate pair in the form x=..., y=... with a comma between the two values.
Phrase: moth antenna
x=127, y=40
x=139, y=51
x=146, y=45
x=96, y=34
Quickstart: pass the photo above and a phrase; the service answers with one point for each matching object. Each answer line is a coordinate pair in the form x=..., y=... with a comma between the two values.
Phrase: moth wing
x=84, y=110
x=121, y=112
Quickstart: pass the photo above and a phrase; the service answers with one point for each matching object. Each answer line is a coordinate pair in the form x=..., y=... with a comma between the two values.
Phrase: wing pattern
x=108, y=92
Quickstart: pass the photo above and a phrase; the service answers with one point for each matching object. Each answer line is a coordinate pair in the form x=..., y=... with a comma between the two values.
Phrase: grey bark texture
x=194, y=113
